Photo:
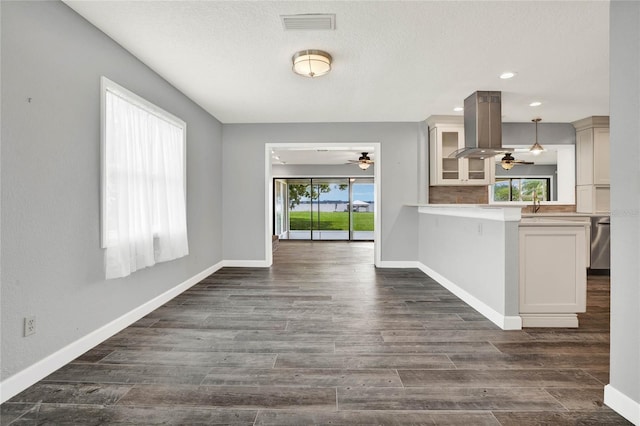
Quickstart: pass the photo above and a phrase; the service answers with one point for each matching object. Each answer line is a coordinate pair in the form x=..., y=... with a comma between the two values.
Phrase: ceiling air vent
x=310, y=21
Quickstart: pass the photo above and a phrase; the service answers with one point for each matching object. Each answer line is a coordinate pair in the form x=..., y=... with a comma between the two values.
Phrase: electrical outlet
x=479, y=229
x=29, y=326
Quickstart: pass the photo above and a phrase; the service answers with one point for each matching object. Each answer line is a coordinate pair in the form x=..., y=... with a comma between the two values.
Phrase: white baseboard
x=397, y=264
x=504, y=322
x=246, y=263
x=622, y=404
x=511, y=322
x=41, y=369
x=550, y=320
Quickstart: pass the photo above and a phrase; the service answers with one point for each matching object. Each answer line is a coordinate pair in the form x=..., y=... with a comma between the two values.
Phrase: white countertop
x=563, y=214
x=477, y=211
x=546, y=221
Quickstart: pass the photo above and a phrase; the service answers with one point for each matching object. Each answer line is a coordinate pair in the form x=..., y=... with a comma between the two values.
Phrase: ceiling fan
x=363, y=162
x=508, y=161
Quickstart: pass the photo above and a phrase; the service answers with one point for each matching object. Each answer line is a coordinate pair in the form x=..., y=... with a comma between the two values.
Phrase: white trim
x=247, y=263
x=139, y=101
x=622, y=404
x=550, y=320
x=268, y=201
x=377, y=206
x=268, y=178
x=397, y=264
x=502, y=214
x=502, y=321
x=565, y=175
x=41, y=369
x=511, y=322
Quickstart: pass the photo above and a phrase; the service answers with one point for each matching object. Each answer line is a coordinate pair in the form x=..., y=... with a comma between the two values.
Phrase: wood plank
x=325, y=337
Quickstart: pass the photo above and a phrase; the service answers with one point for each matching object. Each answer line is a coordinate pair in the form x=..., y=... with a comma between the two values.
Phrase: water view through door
x=324, y=208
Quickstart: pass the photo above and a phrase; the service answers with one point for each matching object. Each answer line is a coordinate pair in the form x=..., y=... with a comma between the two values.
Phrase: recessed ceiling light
x=536, y=103
x=458, y=109
x=507, y=75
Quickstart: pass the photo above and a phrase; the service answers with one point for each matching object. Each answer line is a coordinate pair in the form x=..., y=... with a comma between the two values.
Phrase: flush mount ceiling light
x=535, y=104
x=311, y=63
x=536, y=148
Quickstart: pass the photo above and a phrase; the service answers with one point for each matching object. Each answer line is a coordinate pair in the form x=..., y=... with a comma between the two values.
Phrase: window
x=521, y=189
x=143, y=183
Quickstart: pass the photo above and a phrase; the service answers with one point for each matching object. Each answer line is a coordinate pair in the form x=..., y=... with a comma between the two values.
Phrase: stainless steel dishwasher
x=600, y=242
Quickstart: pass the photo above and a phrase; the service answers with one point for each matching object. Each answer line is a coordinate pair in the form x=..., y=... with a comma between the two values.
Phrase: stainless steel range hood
x=482, y=126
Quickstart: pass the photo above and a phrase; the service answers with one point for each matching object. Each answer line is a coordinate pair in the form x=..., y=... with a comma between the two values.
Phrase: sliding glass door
x=324, y=208
x=362, y=191
x=299, y=208
x=330, y=209
x=280, y=210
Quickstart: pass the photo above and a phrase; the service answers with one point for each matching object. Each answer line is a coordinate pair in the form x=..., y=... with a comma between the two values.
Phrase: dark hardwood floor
x=323, y=337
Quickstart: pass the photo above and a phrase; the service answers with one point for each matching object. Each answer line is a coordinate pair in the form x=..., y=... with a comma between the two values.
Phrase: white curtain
x=145, y=209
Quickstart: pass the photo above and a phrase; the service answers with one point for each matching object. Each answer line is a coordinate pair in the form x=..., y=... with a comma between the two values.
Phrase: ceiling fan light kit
x=508, y=161
x=364, y=161
x=311, y=63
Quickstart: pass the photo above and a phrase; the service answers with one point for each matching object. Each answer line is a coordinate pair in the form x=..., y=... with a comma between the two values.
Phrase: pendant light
x=536, y=148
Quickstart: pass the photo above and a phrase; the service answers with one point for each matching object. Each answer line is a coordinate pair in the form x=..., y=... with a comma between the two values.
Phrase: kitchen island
x=477, y=252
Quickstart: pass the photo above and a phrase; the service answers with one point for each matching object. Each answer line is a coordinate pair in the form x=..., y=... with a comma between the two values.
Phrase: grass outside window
x=339, y=221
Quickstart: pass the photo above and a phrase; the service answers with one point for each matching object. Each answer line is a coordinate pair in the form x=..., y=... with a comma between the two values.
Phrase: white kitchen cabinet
x=593, y=199
x=585, y=220
x=592, y=165
x=553, y=274
x=445, y=137
x=593, y=156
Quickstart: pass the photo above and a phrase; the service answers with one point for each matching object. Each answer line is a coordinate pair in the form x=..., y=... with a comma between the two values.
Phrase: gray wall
x=548, y=133
x=625, y=199
x=52, y=264
x=244, y=181
x=479, y=255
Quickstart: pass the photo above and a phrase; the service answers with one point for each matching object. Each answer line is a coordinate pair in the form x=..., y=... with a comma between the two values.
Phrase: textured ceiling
x=393, y=60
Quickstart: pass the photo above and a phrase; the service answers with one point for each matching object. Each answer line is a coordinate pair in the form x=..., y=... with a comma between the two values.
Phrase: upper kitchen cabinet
x=446, y=135
x=592, y=165
x=592, y=144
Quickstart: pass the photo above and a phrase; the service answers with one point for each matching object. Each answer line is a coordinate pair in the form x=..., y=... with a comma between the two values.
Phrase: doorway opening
x=290, y=165
x=324, y=208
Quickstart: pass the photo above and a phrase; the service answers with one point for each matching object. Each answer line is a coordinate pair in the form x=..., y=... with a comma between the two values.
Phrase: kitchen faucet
x=536, y=203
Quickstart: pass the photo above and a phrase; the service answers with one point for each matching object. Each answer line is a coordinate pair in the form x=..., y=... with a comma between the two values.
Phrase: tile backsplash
x=458, y=195
x=480, y=195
